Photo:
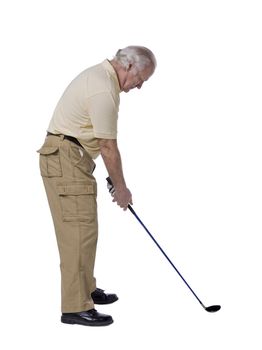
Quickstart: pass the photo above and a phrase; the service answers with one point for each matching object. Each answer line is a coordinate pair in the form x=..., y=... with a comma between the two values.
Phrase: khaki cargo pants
x=71, y=189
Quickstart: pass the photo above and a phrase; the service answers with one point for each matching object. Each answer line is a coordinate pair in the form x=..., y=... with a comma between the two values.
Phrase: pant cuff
x=79, y=308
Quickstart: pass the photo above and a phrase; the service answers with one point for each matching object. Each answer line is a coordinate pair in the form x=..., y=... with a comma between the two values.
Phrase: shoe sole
x=84, y=323
x=105, y=302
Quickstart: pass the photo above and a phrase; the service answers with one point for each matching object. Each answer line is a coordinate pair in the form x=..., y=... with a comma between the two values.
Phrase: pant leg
x=71, y=190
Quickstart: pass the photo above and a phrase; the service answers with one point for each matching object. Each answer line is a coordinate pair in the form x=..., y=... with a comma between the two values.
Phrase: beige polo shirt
x=88, y=108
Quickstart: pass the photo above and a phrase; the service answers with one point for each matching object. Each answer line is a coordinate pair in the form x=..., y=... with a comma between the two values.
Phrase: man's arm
x=112, y=159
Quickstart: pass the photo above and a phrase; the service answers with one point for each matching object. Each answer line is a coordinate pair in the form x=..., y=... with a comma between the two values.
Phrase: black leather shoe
x=99, y=297
x=87, y=318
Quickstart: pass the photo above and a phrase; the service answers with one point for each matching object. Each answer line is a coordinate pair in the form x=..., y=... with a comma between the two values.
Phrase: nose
x=140, y=85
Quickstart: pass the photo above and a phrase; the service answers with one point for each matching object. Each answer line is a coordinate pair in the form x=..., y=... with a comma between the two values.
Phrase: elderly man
x=84, y=125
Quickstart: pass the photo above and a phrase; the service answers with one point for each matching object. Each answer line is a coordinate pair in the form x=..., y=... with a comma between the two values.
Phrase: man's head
x=133, y=65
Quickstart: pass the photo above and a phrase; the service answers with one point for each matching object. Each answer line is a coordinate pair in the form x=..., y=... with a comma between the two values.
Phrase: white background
x=191, y=146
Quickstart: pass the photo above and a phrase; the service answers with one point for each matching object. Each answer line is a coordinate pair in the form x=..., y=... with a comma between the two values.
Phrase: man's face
x=135, y=78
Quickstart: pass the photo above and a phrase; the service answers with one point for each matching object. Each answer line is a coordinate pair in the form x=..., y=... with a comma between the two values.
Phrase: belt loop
x=62, y=137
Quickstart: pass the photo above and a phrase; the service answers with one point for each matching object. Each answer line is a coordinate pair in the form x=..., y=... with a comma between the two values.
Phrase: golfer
x=83, y=126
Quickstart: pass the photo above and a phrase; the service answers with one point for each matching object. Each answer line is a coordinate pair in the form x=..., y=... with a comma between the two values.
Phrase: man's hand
x=122, y=197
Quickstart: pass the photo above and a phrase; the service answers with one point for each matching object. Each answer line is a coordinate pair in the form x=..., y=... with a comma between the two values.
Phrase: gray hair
x=139, y=56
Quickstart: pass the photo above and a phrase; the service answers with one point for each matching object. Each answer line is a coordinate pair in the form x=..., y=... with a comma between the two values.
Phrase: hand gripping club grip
x=112, y=190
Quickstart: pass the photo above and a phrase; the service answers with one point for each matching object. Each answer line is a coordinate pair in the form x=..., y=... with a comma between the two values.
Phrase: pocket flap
x=48, y=149
x=75, y=189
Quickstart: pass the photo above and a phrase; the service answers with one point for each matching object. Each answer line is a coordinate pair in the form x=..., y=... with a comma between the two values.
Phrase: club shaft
x=139, y=220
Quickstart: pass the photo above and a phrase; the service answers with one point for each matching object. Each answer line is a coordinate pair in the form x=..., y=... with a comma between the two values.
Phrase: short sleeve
x=103, y=112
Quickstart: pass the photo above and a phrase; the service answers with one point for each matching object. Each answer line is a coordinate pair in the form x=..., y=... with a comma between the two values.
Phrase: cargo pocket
x=78, y=200
x=50, y=164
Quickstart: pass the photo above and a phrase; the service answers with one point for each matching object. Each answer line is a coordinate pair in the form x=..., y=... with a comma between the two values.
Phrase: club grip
x=109, y=181
x=110, y=185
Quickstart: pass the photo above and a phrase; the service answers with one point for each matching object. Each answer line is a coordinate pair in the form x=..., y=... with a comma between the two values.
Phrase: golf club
x=212, y=308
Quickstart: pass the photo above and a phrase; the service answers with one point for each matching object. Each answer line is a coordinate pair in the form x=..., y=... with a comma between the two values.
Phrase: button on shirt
x=88, y=108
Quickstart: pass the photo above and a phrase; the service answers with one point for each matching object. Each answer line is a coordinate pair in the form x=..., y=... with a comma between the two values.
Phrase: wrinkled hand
x=122, y=197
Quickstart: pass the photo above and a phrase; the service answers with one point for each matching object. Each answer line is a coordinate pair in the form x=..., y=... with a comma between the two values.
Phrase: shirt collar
x=108, y=66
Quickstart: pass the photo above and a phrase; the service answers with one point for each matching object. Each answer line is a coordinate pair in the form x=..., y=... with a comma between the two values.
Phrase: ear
x=129, y=67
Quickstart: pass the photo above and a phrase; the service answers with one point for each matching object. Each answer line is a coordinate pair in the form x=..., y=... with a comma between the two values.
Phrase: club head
x=213, y=308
